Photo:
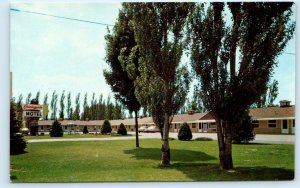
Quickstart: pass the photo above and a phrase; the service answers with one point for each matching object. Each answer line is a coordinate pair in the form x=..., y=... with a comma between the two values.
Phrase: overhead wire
x=80, y=20
x=62, y=17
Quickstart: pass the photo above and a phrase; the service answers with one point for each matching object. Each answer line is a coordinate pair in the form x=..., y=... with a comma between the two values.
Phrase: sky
x=49, y=53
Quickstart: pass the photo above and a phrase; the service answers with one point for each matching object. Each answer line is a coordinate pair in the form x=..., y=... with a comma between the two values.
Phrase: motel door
x=204, y=127
x=284, y=127
x=176, y=127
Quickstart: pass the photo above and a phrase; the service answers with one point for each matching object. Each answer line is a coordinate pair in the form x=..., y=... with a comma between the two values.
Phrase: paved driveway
x=259, y=138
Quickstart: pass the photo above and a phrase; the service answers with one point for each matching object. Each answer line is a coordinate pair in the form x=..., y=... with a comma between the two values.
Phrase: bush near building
x=122, y=129
x=185, y=132
x=56, y=129
x=17, y=143
x=106, y=127
x=243, y=131
x=85, y=130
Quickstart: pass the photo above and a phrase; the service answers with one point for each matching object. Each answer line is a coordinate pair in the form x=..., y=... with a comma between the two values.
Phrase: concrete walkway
x=259, y=138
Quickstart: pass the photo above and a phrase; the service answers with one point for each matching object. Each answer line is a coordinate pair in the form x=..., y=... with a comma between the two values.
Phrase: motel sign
x=37, y=114
x=33, y=113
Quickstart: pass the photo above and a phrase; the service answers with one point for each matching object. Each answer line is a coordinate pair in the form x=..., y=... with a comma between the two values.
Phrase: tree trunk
x=136, y=130
x=165, y=149
x=225, y=144
x=228, y=164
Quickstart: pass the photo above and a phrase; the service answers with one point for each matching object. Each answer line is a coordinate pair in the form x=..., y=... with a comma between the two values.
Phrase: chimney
x=191, y=112
x=285, y=103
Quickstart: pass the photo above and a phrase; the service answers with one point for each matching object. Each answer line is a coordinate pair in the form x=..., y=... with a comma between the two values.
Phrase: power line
x=80, y=20
x=62, y=17
x=289, y=53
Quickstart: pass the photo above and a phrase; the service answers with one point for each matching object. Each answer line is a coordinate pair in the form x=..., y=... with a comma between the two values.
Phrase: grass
x=75, y=136
x=102, y=161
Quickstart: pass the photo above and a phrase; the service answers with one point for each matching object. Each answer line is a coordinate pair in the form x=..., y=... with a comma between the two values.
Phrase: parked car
x=142, y=129
x=152, y=129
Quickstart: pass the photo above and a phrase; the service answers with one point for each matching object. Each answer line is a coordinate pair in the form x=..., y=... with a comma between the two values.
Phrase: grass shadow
x=251, y=144
x=176, y=154
x=20, y=153
x=212, y=172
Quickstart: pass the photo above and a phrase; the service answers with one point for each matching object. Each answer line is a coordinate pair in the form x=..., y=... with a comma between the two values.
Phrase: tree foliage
x=233, y=81
x=161, y=77
x=17, y=143
x=45, y=107
x=185, y=132
x=122, y=129
x=62, y=106
x=56, y=129
x=69, y=106
x=269, y=96
x=243, y=130
x=28, y=98
x=53, y=105
x=76, y=113
x=37, y=97
x=106, y=127
x=85, y=130
x=123, y=64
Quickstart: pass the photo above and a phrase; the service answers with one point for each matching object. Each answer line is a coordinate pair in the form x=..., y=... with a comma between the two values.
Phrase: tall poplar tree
x=76, y=113
x=69, y=106
x=85, y=113
x=28, y=98
x=232, y=81
x=158, y=29
x=37, y=97
x=62, y=105
x=53, y=105
x=45, y=107
x=118, y=47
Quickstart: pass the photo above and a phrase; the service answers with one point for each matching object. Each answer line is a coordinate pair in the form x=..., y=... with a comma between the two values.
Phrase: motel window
x=66, y=127
x=42, y=127
x=213, y=125
x=193, y=125
x=272, y=124
x=255, y=123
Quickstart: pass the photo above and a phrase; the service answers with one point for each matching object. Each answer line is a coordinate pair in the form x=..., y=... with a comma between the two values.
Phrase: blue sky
x=50, y=54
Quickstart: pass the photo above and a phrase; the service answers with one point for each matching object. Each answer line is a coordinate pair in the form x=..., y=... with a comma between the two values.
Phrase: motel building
x=269, y=120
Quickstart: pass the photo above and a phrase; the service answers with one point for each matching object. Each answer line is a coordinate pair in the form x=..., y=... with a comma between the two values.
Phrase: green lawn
x=73, y=136
x=98, y=161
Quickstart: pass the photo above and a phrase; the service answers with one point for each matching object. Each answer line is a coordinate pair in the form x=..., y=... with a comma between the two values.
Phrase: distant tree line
x=96, y=109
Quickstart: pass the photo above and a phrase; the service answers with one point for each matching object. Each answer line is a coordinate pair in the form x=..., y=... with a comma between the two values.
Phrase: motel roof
x=275, y=112
x=256, y=114
x=188, y=117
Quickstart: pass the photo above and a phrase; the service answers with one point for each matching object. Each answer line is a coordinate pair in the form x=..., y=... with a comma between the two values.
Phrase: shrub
x=185, y=132
x=56, y=129
x=17, y=143
x=106, y=127
x=243, y=131
x=122, y=129
x=85, y=130
x=203, y=139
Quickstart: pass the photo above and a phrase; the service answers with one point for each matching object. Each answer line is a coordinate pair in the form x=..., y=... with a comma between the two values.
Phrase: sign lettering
x=32, y=107
x=33, y=114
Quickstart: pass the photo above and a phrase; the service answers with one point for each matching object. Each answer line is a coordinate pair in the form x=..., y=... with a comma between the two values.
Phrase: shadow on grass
x=212, y=172
x=19, y=153
x=176, y=155
x=250, y=144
